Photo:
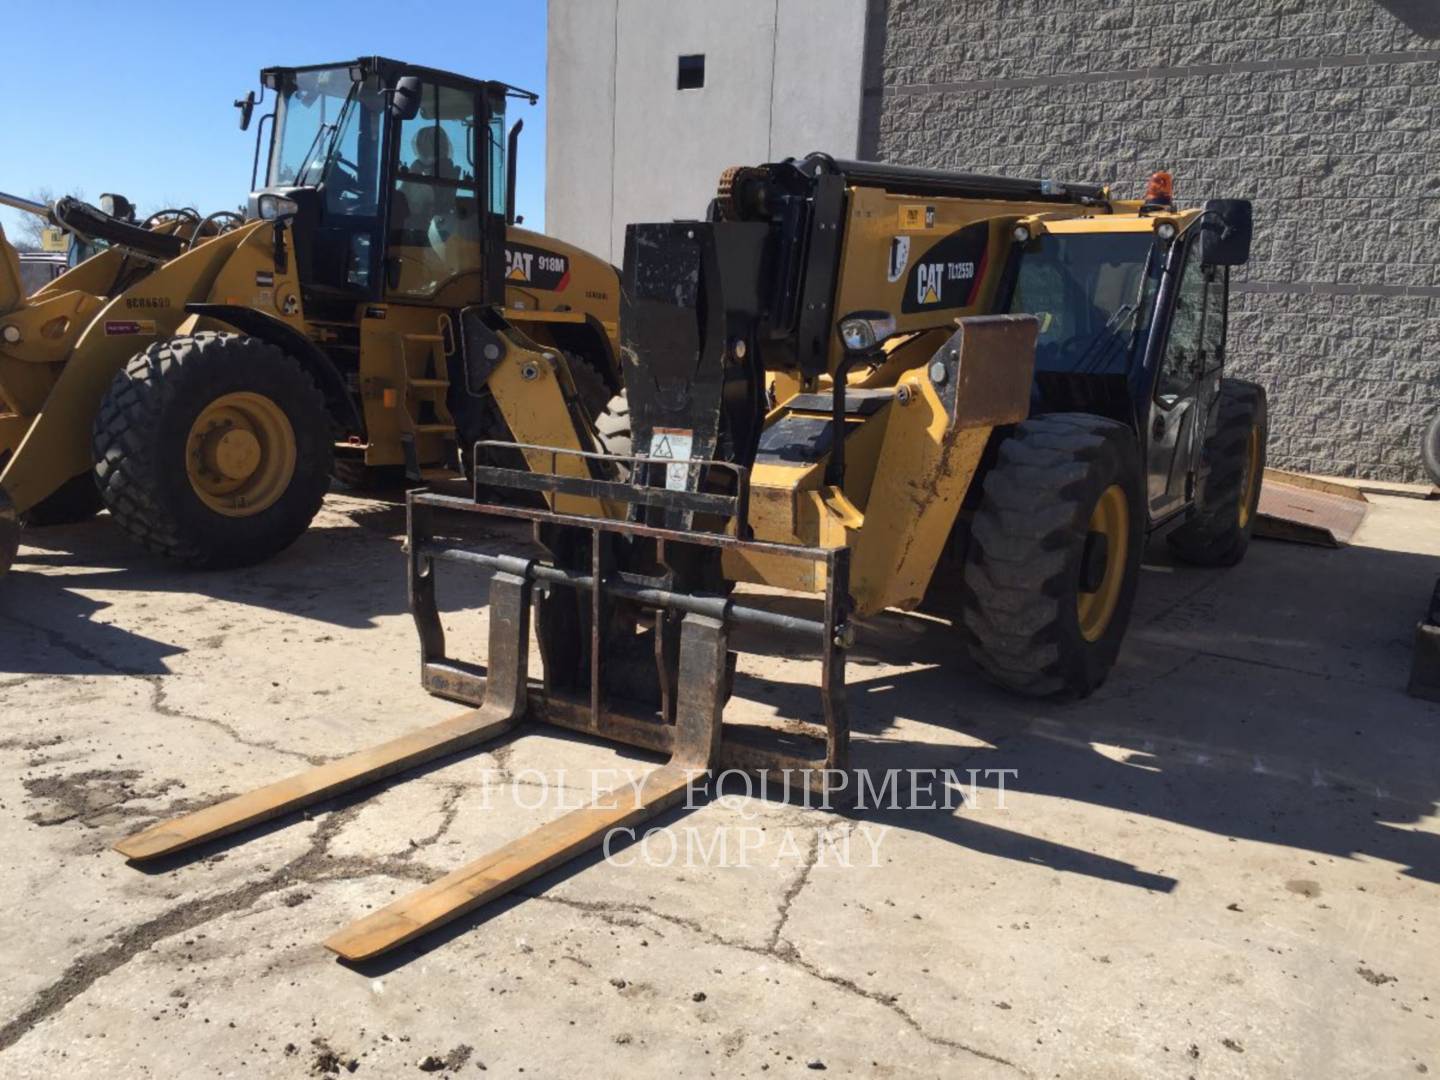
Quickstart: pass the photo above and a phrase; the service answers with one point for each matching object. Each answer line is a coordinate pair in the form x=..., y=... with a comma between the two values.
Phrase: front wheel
x=1054, y=555
x=213, y=449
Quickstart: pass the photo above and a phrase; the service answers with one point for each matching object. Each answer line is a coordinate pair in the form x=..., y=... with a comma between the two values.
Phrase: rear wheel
x=1219, y=533
x=1054, y=554
x=213, y=449
x=78, y=499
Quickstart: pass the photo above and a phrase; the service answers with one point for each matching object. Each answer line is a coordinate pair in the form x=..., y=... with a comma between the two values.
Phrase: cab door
x=1186, y=378
x=439, y=230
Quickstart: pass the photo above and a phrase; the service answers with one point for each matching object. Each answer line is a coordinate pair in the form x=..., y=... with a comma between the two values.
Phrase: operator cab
x=1132, y=309
x=395, y=176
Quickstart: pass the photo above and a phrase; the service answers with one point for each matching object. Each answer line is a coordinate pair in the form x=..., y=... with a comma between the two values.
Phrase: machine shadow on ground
x=336, y=573
x=1247, y=703
x=1257, y=706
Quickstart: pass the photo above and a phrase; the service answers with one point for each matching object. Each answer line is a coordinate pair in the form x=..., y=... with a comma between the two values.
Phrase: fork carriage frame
x=741, y=746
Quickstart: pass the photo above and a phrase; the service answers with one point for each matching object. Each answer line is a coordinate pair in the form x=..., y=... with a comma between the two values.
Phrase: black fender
x=285, y=337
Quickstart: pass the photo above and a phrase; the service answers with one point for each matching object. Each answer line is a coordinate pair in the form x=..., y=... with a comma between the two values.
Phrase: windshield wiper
x=1093, y=359
x=314, y=145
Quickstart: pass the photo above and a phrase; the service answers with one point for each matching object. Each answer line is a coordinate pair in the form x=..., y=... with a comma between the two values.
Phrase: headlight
x=1022, y=234
x=861, y=331
x=1166, y=231
x=857, y=335
x=273, y=207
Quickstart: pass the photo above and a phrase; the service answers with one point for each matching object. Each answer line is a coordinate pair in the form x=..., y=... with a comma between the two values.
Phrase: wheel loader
x=847, y=377
x=210, y=400
x=110, y=251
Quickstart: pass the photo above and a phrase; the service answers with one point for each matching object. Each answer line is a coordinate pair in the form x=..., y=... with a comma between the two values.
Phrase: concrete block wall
x=1325, y=112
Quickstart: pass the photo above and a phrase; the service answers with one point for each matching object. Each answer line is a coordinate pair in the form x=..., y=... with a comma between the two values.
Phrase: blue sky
x=136, y=98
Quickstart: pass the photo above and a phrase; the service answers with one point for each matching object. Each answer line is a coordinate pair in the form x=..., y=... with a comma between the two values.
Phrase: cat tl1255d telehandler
x=846, y=369
x=212, y=395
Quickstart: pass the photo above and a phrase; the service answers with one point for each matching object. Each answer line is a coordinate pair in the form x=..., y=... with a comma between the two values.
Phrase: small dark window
x=691, y=75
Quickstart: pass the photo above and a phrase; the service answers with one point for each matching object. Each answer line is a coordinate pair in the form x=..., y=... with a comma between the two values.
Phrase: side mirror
x=246, y=105
x=862, y=331
x=1225, y=231
x=117, y=206
x=405, y=98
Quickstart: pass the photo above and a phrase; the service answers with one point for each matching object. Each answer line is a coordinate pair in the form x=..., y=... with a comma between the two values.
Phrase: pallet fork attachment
x=693, y=660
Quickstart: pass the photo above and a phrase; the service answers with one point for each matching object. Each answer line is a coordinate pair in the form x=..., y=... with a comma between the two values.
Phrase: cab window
x=498, y=148
x=1085, y=290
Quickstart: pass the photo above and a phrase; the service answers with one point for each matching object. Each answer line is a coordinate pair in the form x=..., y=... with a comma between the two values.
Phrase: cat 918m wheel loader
x=848, y=369
x=212, y=397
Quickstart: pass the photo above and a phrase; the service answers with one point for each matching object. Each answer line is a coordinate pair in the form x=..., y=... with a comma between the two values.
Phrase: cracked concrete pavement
x=1225, y=863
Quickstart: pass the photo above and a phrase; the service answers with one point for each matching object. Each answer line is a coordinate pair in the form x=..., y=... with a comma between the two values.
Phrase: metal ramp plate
x=1308, y=515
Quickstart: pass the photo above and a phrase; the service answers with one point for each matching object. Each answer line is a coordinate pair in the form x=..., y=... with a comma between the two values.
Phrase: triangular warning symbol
x=662, y=448
x=931, y=297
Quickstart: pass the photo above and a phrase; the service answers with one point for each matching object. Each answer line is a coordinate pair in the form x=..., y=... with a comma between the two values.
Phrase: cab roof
x=391, y=70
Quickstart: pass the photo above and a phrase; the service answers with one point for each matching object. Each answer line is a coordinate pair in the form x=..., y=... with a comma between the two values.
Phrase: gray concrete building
x=649, y=100
x=1325, y=112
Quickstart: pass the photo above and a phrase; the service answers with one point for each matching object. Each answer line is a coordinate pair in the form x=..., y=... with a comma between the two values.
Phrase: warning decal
x=674, y=444
x=917, y=216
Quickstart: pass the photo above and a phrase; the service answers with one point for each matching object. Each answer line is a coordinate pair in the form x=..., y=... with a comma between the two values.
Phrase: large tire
x=590, y=385
x=612, y=427
x=1430, y=448
x=1219, y=532
x=181, y=493
x=1044, y=600
x=76, y=500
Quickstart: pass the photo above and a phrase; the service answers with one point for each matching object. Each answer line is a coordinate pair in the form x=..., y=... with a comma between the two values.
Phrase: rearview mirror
x=246, y=105
x=405, y=98
x=1225, y=230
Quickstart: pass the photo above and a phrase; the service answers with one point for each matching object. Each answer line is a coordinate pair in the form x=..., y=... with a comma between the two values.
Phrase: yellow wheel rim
x=1111, y=519
x=1252, y=475
x=240, y=454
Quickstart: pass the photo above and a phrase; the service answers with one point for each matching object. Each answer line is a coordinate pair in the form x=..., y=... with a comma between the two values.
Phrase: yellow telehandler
x=849, y=376
x=210, y=398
